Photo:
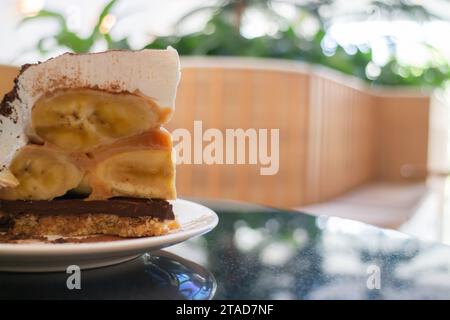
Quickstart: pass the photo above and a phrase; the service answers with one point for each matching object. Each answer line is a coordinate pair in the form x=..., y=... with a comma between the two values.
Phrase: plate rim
x=53, y=249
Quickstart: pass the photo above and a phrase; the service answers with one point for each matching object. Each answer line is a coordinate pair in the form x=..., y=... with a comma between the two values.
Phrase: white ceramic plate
x=194, y=219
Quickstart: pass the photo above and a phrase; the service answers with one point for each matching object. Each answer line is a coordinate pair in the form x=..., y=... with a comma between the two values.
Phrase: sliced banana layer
x=153, y=74
x=82, y=119
x=42, y=173
x=139, y=166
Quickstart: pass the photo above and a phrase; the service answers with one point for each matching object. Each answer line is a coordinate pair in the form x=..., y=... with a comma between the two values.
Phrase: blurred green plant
x=70, y=40
x=223, y=34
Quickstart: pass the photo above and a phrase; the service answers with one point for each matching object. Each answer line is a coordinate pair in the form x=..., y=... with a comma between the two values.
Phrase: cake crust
x=32, y=225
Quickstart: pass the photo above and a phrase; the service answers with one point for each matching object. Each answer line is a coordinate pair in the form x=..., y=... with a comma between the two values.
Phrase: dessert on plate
x=83, y=151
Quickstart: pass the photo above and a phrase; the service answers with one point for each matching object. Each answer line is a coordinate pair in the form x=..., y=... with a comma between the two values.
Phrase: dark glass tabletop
x=263, y=253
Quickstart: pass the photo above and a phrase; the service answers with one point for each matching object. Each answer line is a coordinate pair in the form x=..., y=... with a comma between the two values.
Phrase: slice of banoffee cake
x=83, y=151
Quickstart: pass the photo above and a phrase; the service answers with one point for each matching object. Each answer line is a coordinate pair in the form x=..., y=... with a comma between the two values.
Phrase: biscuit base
x=32, y=225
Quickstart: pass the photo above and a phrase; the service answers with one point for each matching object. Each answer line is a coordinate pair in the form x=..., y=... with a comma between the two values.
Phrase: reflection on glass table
x=160, y=275
x=263, y=253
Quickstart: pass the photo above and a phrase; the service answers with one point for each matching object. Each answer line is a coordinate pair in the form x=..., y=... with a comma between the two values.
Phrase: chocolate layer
x=128, y=207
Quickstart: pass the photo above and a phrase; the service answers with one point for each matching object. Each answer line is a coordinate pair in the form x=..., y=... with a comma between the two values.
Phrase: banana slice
x=82, y=119
x=7, y=179
x=42, y=173
x=144, y=173
x=141, y=166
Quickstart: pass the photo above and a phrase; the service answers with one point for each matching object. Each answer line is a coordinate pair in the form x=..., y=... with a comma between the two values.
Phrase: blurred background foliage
x=223, y=35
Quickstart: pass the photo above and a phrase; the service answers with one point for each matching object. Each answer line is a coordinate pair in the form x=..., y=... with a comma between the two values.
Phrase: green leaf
x=46, y=14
